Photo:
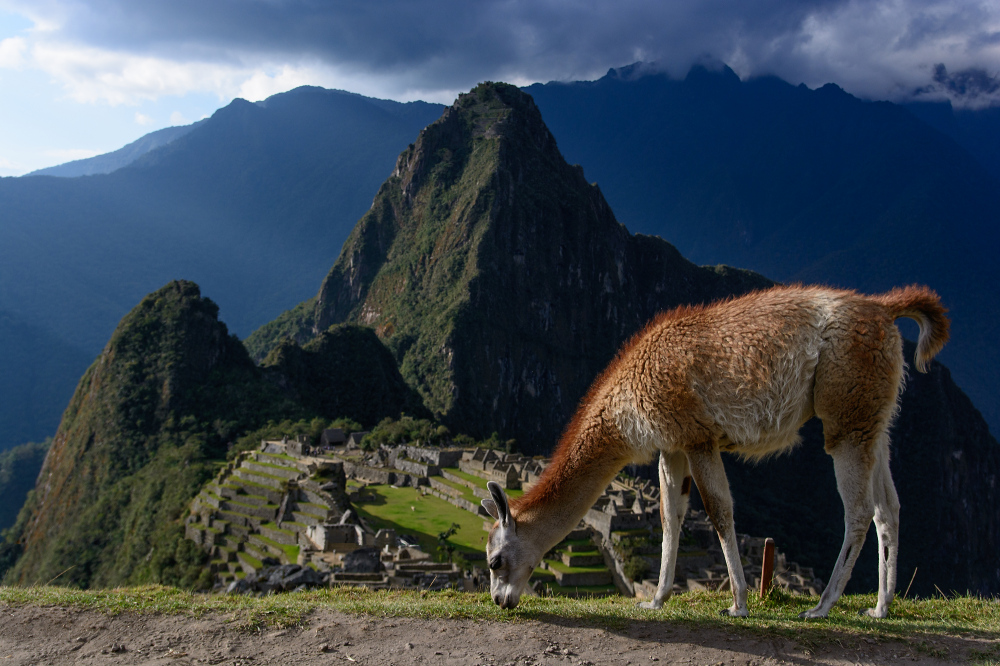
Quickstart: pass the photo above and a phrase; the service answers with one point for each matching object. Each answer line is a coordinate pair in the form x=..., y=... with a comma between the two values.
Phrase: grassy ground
x=423, y=516
x=914, y=620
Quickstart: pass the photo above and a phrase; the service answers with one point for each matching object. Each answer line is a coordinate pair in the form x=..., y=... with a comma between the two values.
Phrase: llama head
x=511, y=559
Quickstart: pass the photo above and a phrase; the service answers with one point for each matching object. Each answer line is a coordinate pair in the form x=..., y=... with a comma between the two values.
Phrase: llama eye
x=496, y=562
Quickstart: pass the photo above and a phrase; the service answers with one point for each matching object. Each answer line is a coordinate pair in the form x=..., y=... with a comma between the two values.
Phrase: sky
x=83, y=77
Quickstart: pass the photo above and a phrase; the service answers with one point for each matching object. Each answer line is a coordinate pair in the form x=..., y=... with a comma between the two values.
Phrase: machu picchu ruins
x=294, y=514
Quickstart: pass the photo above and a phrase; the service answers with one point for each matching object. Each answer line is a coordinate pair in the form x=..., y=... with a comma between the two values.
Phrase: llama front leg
x=675, y=489
x=854, y=481
x=710, y=475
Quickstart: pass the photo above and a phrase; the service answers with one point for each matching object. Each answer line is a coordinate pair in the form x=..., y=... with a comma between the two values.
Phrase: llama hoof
x=811, y=614
x=650, y=605
x=734, y=612
x=873, y=612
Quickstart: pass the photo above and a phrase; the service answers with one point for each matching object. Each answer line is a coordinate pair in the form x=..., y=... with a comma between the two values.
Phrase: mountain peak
x=478, y=122
x=158, y=404
x=497, y=276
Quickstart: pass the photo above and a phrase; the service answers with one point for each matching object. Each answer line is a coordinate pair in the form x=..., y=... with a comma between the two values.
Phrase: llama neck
x=582, y=467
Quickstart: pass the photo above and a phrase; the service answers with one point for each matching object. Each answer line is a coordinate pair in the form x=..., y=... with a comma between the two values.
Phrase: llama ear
x=500, y=499
x=491, y=508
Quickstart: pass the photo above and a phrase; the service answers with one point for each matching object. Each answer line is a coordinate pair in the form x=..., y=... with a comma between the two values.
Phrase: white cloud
x=9, y=168
x=12, y=52
x=177, y=118
x=261, y=85
x=90, y=74
x=142, y=119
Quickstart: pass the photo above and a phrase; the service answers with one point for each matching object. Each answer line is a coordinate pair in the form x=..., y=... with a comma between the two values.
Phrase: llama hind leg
x=675, y=489
x=887, y=528
x=854, y=481
x=710, y=475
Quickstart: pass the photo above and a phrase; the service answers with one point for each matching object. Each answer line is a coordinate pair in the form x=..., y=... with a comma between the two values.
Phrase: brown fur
x=743, y=375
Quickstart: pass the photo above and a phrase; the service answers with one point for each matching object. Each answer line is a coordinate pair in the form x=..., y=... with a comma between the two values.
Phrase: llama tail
x=922, y=305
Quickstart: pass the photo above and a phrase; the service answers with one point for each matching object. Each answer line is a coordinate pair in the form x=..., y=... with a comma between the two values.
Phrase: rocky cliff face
x=497, y=275
x=946, y=465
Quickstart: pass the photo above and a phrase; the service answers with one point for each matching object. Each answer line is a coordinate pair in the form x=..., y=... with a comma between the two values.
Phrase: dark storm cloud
x=870, y=47
x=970, y=83
x=442, y=38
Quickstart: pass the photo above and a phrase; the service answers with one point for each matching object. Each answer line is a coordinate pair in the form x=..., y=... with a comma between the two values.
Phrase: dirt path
x=52, y=635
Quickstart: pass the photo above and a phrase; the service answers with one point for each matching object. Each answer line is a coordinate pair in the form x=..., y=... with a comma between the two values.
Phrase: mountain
x=39, y=371
x=255, y=203
x=252, y=203
x=137, y=441
x=151, y=421
x=503, y=284
x=497, y=275
x=117, y=159
x=345, y=371
x=797, y=184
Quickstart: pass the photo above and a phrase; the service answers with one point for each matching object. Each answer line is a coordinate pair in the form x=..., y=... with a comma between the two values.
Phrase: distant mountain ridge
x=108, y=162
x=252, y=203
x=977, y=131
x=39, y=371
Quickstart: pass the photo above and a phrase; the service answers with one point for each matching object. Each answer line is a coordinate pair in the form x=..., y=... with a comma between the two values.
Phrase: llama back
x=742, y=368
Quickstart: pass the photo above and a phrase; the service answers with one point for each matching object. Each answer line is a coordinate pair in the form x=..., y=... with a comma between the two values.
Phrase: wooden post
x=767, y=567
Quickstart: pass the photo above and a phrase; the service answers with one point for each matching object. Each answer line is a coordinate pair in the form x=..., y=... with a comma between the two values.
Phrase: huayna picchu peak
x=496, y=274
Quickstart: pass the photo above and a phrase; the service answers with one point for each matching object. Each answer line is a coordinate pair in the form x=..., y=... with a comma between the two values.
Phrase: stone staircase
x=257, y=510
x=701, y=564
x=575, y=567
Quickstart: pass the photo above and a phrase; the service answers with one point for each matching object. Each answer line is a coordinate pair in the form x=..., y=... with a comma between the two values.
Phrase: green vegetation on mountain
x=172, y=395
x=390, y=432
x=139, y=438
x=345, y=370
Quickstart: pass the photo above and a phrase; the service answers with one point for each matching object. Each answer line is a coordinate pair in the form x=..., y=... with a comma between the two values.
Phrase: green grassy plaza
x=408, y=511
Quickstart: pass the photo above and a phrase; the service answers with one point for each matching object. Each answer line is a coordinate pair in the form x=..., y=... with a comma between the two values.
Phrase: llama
x=742, y=376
